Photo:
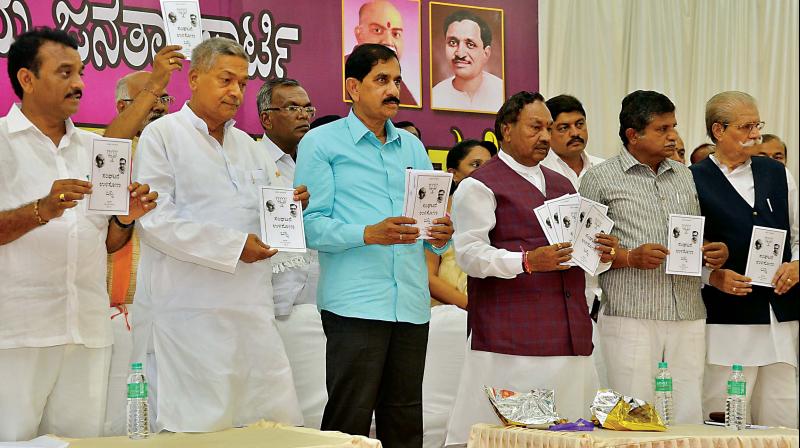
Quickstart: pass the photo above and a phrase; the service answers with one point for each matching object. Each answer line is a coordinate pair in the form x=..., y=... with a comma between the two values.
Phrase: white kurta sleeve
x=473, y=217
x=206, y=244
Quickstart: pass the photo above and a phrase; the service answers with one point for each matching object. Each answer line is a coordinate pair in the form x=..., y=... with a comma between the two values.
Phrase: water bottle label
x=663, y=384
x=137, y=390
x=737, y=387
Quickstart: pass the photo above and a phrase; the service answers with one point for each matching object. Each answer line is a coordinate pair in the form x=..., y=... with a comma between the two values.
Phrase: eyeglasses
x=748, y=127
x=164, y=99
x=310, y=110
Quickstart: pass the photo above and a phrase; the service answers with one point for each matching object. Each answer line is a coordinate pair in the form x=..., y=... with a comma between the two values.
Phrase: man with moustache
x=649, y=316
x=373, y=292
x=204, y=325
x=55, y=341
x=285, y=110
x=528, y=322
x=568, y=140
x=755, y=326
x=568, y=157
x=379, y=22
x=141, y=98
x=468, y=47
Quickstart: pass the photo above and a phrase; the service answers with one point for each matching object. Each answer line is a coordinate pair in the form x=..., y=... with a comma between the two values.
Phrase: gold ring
x=558, y=246
x=734, y=289
x=401, y=237
x=613, y=252
x=171, y=61
x=61, y=197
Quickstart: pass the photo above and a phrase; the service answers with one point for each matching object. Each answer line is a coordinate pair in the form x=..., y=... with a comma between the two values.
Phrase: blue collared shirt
x=356, y=181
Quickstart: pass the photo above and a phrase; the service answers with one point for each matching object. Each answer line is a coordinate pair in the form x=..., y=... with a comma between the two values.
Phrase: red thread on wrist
x=525, y=264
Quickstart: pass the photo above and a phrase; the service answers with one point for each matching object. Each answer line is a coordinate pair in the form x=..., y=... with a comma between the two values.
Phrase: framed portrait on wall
x=394, y=23
x=467, y=61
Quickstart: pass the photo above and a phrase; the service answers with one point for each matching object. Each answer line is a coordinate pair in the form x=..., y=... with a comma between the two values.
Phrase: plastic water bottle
x=664, y=394
x=736, y=404
x=138, y=418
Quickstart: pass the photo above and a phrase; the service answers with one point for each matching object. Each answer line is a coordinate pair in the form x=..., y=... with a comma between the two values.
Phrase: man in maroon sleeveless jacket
x=528, y=321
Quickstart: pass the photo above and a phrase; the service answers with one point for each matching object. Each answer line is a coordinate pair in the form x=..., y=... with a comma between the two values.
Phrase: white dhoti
x=116, y=421
x=769, y=355
x=573, y=378
x=634, y=347
x=204, y=383
x=447, y=342
x=771, y=393
x=304, y=341
x=53, y=390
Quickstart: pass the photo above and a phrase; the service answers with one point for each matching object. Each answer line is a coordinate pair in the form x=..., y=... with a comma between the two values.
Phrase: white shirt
x=296, y=286
x=473, y=217
x=488, y=97
x=198, y=310
x=53, y=290
x=555, y=163
x=756, y=345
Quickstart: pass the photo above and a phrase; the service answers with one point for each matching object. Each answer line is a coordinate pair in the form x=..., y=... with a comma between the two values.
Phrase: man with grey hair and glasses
x=203, y=313
x=755, y=326
x=285, y=112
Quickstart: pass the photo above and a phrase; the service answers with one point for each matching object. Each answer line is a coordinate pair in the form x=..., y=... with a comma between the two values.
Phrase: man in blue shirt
x=373, y=290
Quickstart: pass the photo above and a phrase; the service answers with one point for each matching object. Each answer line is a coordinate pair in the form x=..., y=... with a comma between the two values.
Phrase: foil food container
x=612, y=410
x=534, y=409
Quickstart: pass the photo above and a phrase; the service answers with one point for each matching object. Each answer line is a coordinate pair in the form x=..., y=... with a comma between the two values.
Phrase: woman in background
x=447, y=337
x=448, y=284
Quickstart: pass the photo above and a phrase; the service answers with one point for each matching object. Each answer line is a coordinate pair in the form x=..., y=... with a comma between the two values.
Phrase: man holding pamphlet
x=528, y=320
x=751, y=204
x=204, y=323
x=373, y=290
x=59, y=186
x=649, y=315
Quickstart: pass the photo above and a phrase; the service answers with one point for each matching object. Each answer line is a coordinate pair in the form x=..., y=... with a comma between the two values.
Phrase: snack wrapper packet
x=612, y=410
x=534, y=409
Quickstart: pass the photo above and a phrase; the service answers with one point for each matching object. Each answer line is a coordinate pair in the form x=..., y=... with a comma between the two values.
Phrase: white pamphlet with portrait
x=584, y=253
x=555, y=214
x=427, y=194
x=542, y=213
x=182, y=24
x=586, y=206
x=765, y=255
x=685, y=245
x=110, y=177
x=281, y=219
x=569, y=220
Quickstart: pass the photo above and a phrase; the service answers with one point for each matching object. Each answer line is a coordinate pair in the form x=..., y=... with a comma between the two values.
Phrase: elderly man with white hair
x=755, y=326
x=203, y=313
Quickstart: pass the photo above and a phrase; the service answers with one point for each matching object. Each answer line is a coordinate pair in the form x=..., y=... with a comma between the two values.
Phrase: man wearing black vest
x=751, y=325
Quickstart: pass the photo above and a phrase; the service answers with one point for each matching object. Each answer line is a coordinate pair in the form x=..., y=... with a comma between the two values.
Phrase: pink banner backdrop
x=301, y=39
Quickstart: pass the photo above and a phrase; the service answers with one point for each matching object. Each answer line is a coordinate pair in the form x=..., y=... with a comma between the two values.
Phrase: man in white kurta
x=203, y=312
x=285, y=109
x=55, y=336
x=528, y=321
